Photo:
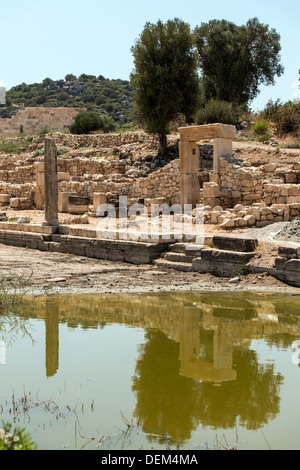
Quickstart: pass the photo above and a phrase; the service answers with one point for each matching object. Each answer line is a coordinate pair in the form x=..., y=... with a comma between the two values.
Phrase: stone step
x=226, y=255
x=181, y=257
x=178, y=247
x=186, y=267
x=190, y=249
x=235, y=244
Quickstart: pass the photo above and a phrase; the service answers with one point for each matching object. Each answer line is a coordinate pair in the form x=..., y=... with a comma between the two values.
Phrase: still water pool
x=192, y=371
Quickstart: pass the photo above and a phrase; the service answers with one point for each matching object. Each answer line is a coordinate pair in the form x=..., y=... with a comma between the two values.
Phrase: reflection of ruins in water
x=196, y=364
x=206, y=327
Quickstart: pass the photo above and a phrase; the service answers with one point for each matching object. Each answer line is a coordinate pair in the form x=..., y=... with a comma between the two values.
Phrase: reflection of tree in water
x=166, y=401
x=280, y=341
x=253, y=396
x=14, y=323
x=169, y=402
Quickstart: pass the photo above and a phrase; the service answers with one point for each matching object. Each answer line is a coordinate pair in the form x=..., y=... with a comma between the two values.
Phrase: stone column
x=222, y=148
x=189, y=173
x=40, y=186
x=51, y=183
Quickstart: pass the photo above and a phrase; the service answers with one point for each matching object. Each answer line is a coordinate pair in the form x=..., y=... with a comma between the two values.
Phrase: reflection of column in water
x=2, y=353
x=52, y=338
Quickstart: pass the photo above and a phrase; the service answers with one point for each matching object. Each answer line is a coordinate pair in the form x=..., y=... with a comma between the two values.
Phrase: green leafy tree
x=236, y=60
x=165, y=80
x=84, y=123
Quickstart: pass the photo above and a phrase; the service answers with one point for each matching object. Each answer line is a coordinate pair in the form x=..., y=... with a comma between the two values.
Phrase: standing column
x=189, y=173
x=222, y=148
x=51, y=184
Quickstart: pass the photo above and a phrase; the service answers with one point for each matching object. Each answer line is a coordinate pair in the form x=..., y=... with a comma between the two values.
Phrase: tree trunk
x=163, y=143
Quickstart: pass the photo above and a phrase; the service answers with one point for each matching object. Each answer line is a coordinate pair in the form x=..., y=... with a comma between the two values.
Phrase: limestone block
x=236, y=194
x=15, y=203
x=227, y=224
x=285, y=190
x=293, y=199
x=189, y=158
x=287, y=252
x=294, y=190
x=207, y=131
x=63, y=201
x=98, y=200
x=5, y=198
x=270, y=167
x=226, y=256
x=293, y=265
x=251, y=220
x=235, y=244
x=211, y=190
x=238, y=207
x=189, y=189
x=240, y=222
x=63, y=176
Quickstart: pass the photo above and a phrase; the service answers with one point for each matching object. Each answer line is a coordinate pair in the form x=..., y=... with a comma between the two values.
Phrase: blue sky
x=53, y=38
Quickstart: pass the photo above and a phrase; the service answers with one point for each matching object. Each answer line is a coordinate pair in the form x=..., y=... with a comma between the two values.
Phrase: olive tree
x=236, y=60
x=165, y=80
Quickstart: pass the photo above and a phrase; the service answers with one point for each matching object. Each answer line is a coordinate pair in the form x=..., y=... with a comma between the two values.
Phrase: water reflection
x=197, y=365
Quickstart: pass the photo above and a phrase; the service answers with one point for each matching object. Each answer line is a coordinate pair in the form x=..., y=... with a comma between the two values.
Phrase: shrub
x=264, y=137
x=286, y=117
x=44, y=131
x=62, y=150
x=17, y=439
x=260, y=128
x=13, y=148
x=293, y=144
x=216, y=111
x=85, y=123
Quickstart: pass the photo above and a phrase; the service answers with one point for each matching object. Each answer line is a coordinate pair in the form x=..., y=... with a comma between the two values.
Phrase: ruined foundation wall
x=163, y=183
x=248, y=185
x=33, y=120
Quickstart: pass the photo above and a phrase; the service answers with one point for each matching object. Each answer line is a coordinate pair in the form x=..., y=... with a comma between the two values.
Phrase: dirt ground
x=261, y=154
x=53, y=273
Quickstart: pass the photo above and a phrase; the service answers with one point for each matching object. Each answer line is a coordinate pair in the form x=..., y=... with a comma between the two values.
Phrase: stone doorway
x=222, y=135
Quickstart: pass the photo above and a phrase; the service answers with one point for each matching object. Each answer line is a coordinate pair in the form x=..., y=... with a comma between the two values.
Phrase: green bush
x=13, y=148
x=216, y=111
x=16, y=439
x=286, y=117
x=264, y=137
x=85, y=123
x=260, y=127
x=62, y=150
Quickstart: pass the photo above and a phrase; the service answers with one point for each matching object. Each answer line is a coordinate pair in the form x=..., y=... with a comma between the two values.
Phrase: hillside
x=112, y=98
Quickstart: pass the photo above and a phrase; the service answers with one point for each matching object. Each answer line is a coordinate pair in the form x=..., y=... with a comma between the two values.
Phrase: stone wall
x=33, y=120
x=239, y=184
x=164, y=183
x=105, y=140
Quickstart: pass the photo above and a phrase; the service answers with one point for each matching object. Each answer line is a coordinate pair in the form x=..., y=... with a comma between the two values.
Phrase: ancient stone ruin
x=70, y=177
x=32, y=120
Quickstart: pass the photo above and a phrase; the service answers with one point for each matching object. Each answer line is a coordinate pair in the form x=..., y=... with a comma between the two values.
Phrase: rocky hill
x=112, y=98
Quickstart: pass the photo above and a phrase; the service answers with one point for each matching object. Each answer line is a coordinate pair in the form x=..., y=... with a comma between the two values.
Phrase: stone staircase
x=228, y=257
x=180, y=257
